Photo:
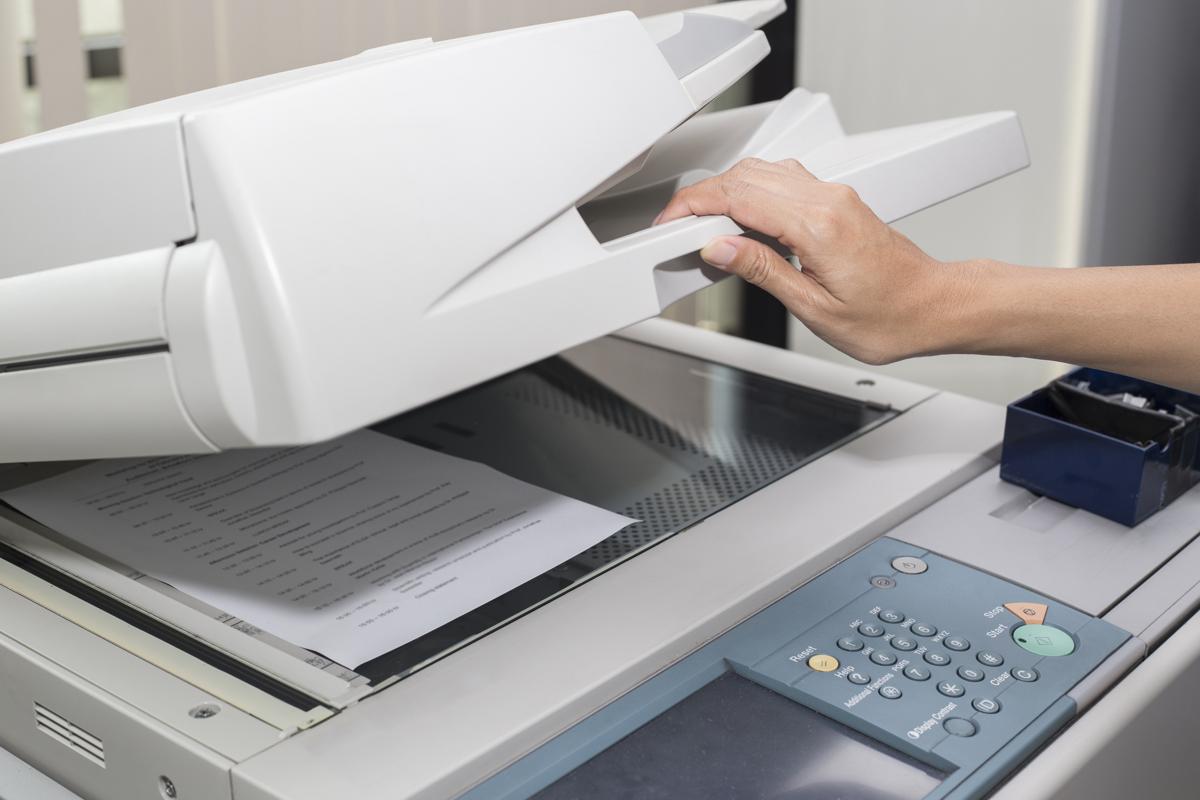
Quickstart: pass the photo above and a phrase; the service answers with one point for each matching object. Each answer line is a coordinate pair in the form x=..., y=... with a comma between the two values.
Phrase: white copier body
x=386, y=240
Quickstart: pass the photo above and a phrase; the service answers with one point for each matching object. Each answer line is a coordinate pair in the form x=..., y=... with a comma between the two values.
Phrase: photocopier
x=828, y=592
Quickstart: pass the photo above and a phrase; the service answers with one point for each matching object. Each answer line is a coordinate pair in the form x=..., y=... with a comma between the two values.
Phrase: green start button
x=1044, y=640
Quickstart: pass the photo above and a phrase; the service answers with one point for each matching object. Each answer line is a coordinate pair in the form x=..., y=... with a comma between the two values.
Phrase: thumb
x=758, y=264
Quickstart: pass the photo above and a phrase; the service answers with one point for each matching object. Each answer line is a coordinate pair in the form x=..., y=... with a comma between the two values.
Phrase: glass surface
x=735, y=739
x=661, y=437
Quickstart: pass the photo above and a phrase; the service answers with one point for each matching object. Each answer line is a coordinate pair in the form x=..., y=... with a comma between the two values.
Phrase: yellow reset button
x=823, y=663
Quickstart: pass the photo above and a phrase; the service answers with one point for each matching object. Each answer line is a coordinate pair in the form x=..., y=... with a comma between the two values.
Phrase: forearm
x=1140, y=321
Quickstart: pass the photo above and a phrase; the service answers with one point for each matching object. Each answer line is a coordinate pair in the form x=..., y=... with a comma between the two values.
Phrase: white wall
x=178, y=46
x=892, y=62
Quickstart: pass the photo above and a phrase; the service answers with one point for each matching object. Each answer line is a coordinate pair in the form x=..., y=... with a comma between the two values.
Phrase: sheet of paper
x=349, y=548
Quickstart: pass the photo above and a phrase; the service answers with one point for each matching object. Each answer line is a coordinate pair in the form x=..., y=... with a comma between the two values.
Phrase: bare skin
x=873, y=294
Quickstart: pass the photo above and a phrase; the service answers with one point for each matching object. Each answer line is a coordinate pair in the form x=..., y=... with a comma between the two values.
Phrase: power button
x=909, y=565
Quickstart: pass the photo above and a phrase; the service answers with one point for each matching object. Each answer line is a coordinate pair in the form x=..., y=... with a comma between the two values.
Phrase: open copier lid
x=287, y=259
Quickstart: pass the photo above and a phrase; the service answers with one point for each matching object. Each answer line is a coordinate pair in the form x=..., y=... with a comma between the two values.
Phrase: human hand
x=863, y=287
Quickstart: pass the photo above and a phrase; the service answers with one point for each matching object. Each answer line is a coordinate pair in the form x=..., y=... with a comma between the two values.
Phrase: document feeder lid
x=308, y=253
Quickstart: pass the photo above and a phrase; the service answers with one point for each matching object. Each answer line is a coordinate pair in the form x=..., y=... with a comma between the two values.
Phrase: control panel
x=937, y=659
x=937, y=662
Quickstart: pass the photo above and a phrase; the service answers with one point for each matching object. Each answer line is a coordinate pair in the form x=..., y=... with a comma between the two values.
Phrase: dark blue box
x=1080, y=447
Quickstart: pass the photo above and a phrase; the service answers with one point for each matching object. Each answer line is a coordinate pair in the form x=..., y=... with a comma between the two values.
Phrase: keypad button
x=989, y=659
x=1025, y=674
x=956, y=643
x=972, y=674
x=859, y=678
x=923, y=629
x=850, y=643
x=870, y=629
x=883, y=582
x=890, y=692
x=909, y=565
x=883, y=658
x=937, y=659
x=985, y=705
x=903, y=643
x=891, y=615
x=916, y=673
x=951, y=689
x=958, y=726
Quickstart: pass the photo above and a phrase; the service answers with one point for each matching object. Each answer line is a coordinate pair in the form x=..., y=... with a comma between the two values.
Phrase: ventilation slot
x=69, y=734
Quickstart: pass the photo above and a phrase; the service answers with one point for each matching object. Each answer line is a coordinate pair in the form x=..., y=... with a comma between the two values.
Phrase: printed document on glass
x=349, y=548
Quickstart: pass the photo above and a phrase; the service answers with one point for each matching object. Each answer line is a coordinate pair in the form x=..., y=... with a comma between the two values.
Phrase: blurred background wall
x=80, y=58
x=1105, y=90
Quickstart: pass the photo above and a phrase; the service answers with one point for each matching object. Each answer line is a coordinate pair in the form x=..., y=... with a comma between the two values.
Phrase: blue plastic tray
x=1109, y=474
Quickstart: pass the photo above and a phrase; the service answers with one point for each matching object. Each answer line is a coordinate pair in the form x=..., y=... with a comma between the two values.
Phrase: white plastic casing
x=341, y=243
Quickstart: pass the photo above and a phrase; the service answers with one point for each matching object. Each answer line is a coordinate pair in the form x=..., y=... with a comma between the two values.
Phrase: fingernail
x=719, y=253
x=658, y=219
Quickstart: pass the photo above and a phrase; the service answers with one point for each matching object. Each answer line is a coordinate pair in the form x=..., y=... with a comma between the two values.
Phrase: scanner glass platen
x=658, y=436
x=664, y=438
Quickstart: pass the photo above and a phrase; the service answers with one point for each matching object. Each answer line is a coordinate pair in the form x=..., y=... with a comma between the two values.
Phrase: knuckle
x=734, y=185
x=841, y=194
x=739, y=181
x=741, y=171
x=758, y=267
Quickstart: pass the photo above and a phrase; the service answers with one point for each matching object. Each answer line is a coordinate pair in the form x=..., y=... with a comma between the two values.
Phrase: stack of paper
x=349, y=548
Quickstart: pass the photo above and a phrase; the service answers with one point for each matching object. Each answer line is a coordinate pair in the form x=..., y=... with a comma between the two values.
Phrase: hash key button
x=989, y=659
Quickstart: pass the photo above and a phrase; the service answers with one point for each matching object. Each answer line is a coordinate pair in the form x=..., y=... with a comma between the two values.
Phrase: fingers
x=756, y=194
x=758, y=264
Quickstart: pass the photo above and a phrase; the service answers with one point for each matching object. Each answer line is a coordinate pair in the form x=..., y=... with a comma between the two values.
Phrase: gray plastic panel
x=1083, y=560
x=19, y=781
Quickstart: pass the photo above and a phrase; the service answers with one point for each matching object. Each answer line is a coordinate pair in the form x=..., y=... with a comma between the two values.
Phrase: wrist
x=956, y=310
x=998, y=308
